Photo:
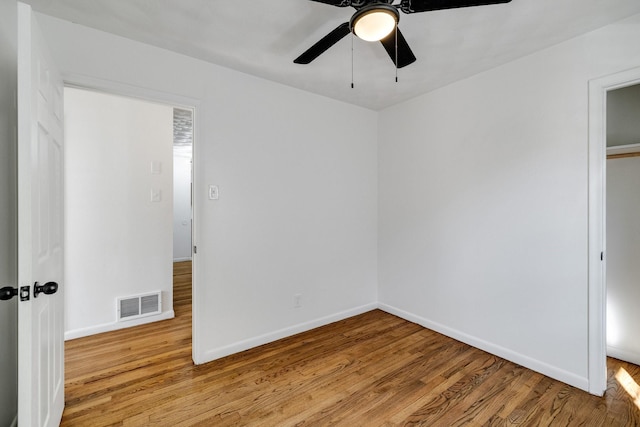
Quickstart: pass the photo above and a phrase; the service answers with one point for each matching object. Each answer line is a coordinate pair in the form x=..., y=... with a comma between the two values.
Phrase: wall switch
x=156, y=195
x=297, y=300
x=156, y=168
x=213, y=192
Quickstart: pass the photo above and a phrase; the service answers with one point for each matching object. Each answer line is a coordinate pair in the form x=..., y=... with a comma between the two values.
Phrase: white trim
x=195, y=202
x=623, y=149
x=626, y=355
x=505, y=353
x=25, y=386
x=181, y=259
x=108, y=327
x=81, y=81
x=117, y=88
x=598, y=89
x=243, y=345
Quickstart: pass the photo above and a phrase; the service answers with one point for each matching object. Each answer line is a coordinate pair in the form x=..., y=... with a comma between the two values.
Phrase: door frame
x=116, y=88
x=597, y=216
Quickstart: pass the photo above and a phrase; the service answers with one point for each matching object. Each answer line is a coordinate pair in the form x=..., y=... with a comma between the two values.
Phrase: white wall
x=118, y=242
x=182, y=204
x=8, y=207
x=298, y=190
x=623, y=268
x=482, y=198
x=483, y=204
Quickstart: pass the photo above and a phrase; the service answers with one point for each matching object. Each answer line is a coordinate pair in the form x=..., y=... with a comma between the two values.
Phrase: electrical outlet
x=297, y=300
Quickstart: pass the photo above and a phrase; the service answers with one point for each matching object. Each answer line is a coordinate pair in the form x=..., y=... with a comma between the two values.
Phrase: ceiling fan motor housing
x=367, y=21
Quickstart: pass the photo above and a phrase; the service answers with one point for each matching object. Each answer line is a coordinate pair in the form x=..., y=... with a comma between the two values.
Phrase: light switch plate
x=156, y=167
x=213, y=192
x=156, y=195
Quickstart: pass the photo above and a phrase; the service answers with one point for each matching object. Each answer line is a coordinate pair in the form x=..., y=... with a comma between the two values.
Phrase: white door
x=40, y=230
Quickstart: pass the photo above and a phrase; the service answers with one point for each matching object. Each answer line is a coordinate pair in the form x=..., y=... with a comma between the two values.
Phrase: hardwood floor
x=371, y=370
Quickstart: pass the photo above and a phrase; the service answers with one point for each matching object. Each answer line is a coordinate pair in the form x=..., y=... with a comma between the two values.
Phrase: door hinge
x=195, y=249
x=601, y=256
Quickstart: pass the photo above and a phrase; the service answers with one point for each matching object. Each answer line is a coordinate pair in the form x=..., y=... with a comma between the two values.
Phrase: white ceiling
x=262, y=37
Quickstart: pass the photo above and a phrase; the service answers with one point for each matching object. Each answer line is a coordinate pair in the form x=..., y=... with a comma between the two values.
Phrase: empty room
x=395, y=212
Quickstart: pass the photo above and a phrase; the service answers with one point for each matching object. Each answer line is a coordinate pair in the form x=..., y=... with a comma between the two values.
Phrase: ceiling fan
x=375, y=20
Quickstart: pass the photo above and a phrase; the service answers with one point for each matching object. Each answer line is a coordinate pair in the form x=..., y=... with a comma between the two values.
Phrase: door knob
x=7, y=293
x=47, y=289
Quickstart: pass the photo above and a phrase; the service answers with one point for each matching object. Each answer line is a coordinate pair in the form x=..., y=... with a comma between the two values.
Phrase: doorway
x=120, y=193
x=182, y=184
x=182, y=210
x=597, y=231
x=623, y=225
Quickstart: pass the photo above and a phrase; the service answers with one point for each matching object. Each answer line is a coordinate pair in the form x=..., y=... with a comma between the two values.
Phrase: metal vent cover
x=136, y=306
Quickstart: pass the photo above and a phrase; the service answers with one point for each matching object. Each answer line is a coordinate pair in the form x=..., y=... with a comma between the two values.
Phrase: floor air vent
x=137, y=306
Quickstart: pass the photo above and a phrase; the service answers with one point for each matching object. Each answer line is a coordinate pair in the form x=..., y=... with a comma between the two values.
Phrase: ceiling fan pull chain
x=396, y=53
x=352, y=37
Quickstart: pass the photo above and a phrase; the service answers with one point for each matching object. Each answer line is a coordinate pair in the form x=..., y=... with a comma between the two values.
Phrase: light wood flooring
x=371, y=370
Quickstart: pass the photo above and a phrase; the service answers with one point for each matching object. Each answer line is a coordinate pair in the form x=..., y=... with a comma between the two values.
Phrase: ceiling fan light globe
x=374, y=24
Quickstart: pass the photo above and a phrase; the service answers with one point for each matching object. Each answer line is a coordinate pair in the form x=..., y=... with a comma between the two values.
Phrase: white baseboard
x=626, y=355
x=521, y=359
x=181, y=259
x=239, y=346
x=108, y=327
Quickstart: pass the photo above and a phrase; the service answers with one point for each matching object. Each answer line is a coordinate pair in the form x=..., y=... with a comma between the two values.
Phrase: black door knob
x=47, y=289
x=7, y=293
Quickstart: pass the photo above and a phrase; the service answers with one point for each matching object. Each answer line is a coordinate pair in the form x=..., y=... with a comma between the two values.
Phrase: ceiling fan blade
x=339, y=3
x=414, y=6
x=325, y=43
x=405, y=55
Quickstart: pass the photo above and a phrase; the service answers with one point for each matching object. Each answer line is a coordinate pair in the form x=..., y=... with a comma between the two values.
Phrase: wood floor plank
x=486, y=399
x=370, y=370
